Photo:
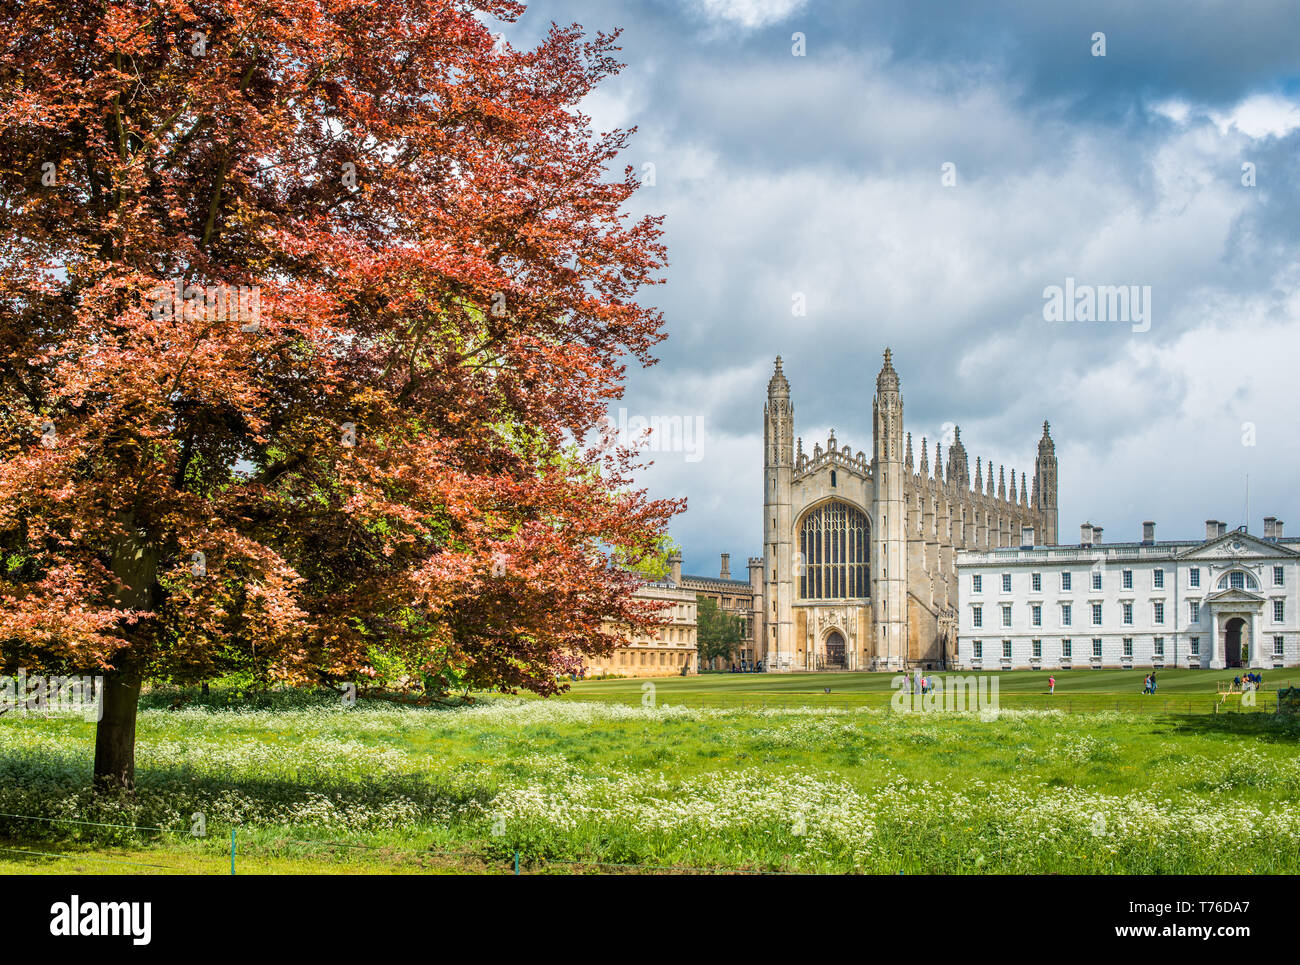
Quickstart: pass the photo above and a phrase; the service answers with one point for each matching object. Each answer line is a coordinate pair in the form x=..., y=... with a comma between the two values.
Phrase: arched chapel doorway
x=835, y=649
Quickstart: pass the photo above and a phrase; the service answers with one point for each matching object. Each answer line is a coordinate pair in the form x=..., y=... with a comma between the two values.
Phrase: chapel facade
x=858, y=570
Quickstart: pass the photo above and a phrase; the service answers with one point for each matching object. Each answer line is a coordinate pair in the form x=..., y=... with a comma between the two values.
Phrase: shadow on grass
x=229, y=697
x=1263, y=727
x=56, y=787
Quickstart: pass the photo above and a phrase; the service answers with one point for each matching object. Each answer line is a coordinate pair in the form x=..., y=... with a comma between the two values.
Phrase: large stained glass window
x=835, y=543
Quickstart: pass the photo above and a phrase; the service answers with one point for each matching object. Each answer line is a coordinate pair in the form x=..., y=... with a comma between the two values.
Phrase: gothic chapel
x=858, y=550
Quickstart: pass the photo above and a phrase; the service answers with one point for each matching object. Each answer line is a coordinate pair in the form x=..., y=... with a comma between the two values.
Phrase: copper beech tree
x=310, y=311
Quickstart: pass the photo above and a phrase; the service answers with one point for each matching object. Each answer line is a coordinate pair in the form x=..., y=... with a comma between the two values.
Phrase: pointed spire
x=979, y=477
x=938, y=463
x=799, y=450
x=907, y=460
x=988, y=488
x=958, y=466
x=1002, y=482
x=1045, y=481
x=1024, y=496
x=777, y=385
x=1013, y=487
x=887, y=380
x=925, y=459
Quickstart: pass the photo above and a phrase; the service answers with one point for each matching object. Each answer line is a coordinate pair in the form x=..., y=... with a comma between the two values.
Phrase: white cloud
x=1262, y=115
x=747, y=14
x=1176, y=110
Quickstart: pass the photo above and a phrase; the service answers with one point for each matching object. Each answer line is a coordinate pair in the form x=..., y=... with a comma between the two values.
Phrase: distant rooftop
x=717, y=580
x=1171, y=544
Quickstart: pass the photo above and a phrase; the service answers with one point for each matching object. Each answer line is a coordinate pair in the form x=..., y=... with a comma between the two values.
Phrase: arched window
x=835, y=540
x=1238, y=579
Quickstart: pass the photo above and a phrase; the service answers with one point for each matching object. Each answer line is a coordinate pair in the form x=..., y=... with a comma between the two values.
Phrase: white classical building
x=1229, y=600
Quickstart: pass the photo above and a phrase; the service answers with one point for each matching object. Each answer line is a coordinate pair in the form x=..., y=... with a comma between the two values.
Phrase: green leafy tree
x=718, y=634
x=653, y=566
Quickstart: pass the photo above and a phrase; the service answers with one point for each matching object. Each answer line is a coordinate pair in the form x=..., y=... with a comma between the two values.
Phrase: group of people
x=1251, y=680
x=1149, y=684
x=919, y=683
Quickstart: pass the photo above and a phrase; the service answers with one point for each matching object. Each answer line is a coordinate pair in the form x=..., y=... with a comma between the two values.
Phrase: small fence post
x=232, y=851
x=516, y=862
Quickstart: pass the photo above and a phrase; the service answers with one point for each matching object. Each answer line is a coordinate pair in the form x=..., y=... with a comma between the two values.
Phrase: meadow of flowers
x=793, y=789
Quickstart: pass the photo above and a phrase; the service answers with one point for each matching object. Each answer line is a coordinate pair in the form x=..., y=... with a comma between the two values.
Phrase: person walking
x=1051, y=684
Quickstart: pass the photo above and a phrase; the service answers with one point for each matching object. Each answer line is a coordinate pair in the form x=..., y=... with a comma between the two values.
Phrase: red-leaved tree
x=308, y=311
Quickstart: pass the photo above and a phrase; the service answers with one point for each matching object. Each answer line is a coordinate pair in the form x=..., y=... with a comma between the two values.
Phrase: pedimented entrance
x=1236, y=613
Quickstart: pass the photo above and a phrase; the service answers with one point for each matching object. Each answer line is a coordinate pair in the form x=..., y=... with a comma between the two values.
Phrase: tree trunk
x=135, y=564
x=115, y=734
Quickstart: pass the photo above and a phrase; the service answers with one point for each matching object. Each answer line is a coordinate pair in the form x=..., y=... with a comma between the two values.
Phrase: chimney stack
x=1277, y=529
x=1223, y=528
x=1096, y=534
x=726, y=566
x=1270, y=525
x=1085, y=534
x=1211, y=528
x=675, y=565
x=1148, y=532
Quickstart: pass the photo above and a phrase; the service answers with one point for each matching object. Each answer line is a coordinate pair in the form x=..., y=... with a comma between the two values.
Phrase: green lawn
x=1179, y=691
x=581, y=783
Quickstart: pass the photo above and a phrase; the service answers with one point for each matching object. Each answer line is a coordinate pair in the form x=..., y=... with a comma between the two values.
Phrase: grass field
x=1179, y=691
x=598, y=781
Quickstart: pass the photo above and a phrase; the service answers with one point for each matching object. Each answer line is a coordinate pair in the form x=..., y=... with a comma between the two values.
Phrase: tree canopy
x=308, y=310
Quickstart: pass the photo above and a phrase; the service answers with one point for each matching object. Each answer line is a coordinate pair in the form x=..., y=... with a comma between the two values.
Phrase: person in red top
x=1051, y=685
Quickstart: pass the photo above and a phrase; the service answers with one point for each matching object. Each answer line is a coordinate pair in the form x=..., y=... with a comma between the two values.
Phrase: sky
x=917, y=175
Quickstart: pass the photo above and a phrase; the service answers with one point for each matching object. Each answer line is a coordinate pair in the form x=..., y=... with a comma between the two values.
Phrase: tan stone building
x=858, y=569
x=665, y=651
